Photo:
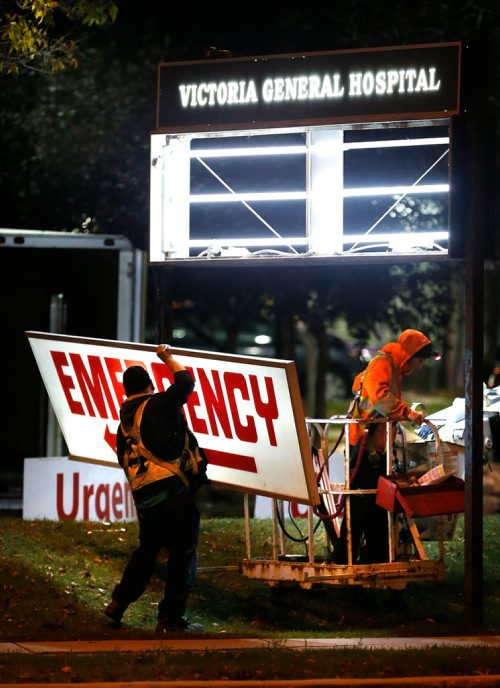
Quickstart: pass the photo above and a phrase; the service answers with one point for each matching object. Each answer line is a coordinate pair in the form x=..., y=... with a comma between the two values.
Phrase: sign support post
x=474, y=336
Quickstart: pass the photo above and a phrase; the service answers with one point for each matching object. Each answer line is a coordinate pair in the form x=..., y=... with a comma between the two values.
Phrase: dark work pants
x=369, y=530
x=175, y=526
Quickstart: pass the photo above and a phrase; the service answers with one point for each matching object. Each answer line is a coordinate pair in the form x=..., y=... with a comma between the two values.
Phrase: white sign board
x=75, y=491
x=245, y=411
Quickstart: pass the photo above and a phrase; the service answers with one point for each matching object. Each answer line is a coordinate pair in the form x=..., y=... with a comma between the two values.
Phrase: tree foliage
x=76, y=143
x=34, y=33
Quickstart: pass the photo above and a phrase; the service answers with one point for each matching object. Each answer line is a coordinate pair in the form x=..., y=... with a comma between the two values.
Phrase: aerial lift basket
x=407, y=562
x=442, y=494
x=397, y=496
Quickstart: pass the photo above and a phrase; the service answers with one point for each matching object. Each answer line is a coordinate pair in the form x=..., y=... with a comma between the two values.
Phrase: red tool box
x=396, y=495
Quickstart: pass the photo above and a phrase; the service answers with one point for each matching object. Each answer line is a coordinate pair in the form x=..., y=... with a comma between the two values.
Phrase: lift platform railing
x=336, y=501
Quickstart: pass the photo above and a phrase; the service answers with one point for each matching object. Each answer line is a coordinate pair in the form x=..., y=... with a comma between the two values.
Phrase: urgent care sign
x=75, y=491
x=246, y=412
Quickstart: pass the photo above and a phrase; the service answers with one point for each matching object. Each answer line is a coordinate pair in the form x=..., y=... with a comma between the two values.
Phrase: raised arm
x=164, y=354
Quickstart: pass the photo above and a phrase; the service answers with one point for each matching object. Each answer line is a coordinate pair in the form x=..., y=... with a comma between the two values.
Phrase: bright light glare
x=397, y=143
x=233, y=241
x=248, y=152
x=262, y=339
x=395, y=190
x=301, y=150
x=413, y=238
x=302, y=195
x=401, y=240
x=237, y=197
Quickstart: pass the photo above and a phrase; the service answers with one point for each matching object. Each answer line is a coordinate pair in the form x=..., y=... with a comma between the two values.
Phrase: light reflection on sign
x=246, y=412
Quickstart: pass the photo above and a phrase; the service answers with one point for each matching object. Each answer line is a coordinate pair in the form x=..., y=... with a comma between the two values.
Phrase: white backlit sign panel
x=246, y=412
x=320, y=192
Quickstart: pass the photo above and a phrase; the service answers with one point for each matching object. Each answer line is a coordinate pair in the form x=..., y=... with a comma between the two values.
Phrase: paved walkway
x=221, y=644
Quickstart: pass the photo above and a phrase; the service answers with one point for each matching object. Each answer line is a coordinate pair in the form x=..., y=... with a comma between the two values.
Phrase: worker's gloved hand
x=415, y=418
x=163, y=352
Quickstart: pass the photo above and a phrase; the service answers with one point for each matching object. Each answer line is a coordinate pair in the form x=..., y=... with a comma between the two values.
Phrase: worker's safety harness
x=352, y=412
x=142, y=467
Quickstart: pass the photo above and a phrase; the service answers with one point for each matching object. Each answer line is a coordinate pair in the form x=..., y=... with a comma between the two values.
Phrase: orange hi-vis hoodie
x=380, y=388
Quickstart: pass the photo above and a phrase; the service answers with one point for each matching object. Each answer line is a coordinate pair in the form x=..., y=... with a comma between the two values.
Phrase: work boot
x=177, y=623
x=114, y=611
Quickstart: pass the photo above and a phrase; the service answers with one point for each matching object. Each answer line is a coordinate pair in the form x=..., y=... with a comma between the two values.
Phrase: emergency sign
x=246, y=412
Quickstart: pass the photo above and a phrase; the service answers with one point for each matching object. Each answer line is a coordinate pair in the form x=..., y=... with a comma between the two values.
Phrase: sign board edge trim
x=312, y=53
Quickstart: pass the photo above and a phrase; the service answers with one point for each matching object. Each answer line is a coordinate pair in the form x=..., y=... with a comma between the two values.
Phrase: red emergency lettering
x=239, y=462
x=93, y=386
x=267, y=410
x=298, y=510
x=198, y=425
x=129, y=501
x=215, y=403
x=115, y=370
x=117, y=500
x=110, y=500
x=67, y=383
x=110, y=438
x=61, y=514
x=122, y=501
x=161, y=373
x=236, y=382
x=102, y=502
x=88, y=491
x=130, y=363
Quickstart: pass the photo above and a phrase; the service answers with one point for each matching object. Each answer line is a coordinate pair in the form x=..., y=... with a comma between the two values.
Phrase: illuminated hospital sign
x=388, y=83
x=308, y=157
x=314, y=87
x=246, y=412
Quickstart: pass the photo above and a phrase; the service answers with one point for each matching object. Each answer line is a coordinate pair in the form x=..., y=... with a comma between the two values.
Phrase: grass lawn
x=56, y=577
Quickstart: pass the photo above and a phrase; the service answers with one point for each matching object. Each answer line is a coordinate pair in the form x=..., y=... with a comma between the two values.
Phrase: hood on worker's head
x=411, y=342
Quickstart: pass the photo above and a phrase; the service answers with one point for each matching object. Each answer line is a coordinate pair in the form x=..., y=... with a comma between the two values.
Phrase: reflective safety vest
x=143, y=468
x=361, y=407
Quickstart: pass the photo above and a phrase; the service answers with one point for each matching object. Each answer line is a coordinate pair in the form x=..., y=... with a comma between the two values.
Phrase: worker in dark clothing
x=378, y=394
x=164, y=467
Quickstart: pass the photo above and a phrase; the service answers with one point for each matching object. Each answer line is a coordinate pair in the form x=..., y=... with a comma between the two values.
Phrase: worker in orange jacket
x=378, y=394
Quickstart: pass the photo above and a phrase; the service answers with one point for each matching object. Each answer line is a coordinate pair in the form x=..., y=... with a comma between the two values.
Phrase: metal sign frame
x=474, y=155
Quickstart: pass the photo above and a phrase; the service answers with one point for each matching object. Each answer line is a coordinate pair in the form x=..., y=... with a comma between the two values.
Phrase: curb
x=492, y=681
